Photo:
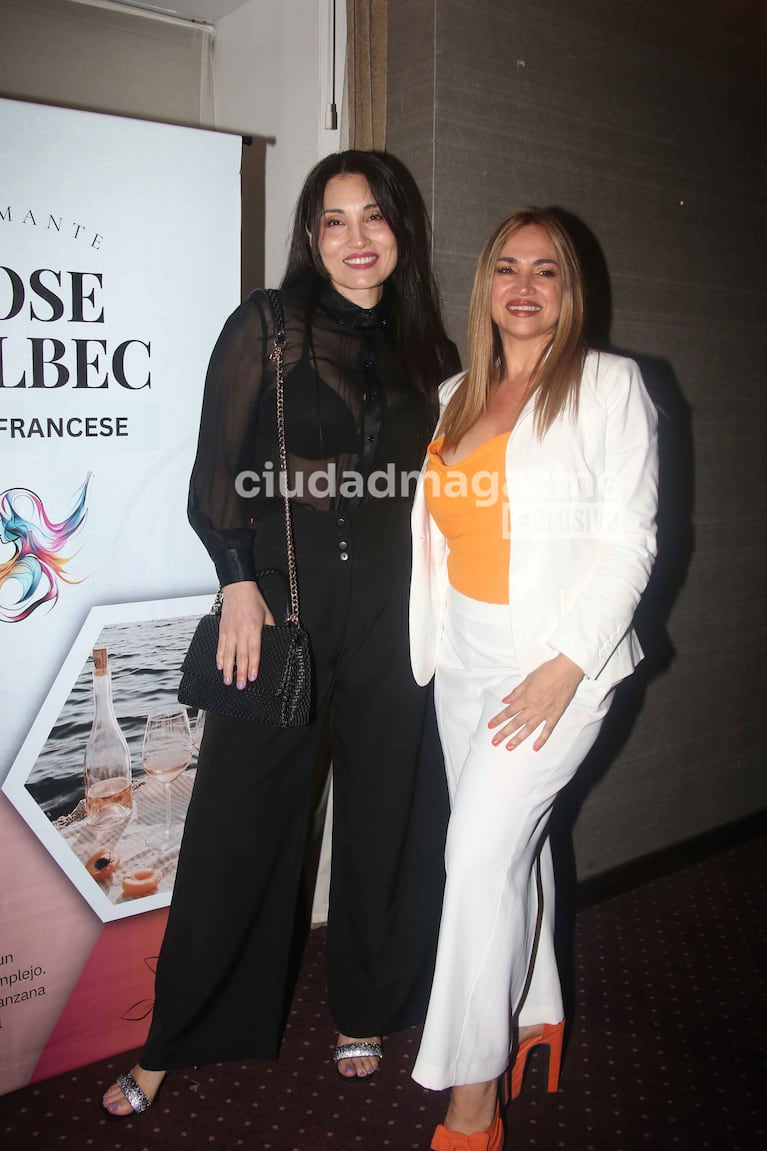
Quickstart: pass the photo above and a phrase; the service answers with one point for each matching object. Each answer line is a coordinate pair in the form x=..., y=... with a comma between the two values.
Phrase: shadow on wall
x=675, y=549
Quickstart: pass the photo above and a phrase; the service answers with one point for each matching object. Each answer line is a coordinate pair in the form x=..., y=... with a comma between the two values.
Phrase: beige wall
x=105, y=59
x=271, y=73
x=646, y=122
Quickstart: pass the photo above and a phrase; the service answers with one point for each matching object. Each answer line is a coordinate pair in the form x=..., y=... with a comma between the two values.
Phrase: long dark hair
x=411, y=290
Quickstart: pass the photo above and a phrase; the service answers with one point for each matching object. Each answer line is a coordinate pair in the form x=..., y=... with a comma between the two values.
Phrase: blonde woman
x=534, y=537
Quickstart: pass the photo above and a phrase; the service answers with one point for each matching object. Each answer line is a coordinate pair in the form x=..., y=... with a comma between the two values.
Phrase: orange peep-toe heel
x=551, y=1037
x=491, y=1139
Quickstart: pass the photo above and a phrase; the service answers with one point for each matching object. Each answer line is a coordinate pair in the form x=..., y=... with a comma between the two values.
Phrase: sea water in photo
x=144, y=662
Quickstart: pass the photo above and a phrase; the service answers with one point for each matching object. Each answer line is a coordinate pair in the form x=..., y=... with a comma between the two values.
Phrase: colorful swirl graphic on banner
x=38, y=566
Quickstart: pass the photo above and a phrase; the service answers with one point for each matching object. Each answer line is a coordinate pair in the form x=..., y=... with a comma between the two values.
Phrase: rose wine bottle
x=107, y=758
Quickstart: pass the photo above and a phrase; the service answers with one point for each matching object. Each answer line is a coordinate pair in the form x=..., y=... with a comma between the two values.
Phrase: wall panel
x=644, y=120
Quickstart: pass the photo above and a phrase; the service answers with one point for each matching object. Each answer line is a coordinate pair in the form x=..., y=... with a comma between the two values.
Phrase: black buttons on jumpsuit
x=342, y=544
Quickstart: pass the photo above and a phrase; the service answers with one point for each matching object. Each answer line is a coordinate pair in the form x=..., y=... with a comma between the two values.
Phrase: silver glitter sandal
x=133, y=1093
x=356, y=1051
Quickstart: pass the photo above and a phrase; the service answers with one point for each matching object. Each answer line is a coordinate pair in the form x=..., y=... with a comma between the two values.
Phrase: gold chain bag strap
x=281, y=694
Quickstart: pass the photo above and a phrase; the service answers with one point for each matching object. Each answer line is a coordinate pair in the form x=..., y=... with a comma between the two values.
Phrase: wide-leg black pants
x=224, y=976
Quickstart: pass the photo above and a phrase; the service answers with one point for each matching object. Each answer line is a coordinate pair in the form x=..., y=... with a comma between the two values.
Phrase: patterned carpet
x=666, y=1050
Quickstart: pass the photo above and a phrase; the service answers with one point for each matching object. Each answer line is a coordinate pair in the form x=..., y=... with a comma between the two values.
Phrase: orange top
x=470, y=507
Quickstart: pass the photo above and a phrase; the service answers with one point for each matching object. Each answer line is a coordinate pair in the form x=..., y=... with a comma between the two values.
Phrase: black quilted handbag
x=281, y=694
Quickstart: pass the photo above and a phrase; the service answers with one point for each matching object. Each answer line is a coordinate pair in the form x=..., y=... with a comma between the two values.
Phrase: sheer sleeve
x=225, y=446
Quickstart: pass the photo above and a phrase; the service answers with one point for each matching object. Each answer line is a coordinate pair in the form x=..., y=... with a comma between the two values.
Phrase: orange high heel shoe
x=551, y=1036
x=491, y=1139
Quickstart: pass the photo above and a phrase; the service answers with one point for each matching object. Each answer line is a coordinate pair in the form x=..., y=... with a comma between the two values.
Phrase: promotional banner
x=119, y=263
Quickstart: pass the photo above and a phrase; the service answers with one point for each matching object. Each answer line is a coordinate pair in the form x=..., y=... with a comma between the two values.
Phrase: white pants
x=496, y=947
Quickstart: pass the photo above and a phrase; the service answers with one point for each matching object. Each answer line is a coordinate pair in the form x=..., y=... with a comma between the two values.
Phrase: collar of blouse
x=350, y=314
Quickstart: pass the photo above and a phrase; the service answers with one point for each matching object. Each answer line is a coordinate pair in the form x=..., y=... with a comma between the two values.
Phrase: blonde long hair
x=555, y=380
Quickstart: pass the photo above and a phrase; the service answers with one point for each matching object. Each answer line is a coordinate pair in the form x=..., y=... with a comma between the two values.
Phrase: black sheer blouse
x=356, y=430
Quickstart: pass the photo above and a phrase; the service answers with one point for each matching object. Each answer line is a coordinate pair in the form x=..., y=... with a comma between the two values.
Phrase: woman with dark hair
x=365, y=350
x=534, y=536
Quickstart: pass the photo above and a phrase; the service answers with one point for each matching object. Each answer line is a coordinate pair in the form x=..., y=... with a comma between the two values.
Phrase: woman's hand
x=540, y=698
x=243, y=615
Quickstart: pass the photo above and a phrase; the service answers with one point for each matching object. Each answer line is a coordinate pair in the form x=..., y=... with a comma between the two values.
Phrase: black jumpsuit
x=224, y=975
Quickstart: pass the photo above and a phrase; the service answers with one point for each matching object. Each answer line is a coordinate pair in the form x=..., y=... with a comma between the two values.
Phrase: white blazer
x=582, y=504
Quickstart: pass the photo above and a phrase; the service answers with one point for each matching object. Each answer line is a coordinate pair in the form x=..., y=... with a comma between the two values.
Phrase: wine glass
x=198, y=726
x=166, y=753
